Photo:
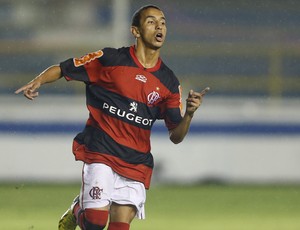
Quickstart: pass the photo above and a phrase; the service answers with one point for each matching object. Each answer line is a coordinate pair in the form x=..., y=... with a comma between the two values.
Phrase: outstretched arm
x=193, y=102
x=51, y=74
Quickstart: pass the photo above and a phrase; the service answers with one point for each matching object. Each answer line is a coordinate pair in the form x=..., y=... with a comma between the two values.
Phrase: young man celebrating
x=127, y=89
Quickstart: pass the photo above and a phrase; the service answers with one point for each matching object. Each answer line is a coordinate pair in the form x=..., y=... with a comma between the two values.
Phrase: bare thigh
x=122, y=213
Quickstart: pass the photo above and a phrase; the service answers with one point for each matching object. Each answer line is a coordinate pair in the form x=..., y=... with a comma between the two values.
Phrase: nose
x=159, y=26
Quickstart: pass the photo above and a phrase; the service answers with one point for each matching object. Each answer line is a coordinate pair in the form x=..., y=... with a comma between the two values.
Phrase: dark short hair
x=136, y=18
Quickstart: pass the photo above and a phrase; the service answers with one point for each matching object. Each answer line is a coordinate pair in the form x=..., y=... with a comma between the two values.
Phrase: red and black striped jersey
x=124, y=100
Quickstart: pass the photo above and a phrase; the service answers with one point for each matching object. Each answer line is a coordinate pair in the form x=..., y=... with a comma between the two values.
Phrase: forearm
x=178, y=134
x=49, y=75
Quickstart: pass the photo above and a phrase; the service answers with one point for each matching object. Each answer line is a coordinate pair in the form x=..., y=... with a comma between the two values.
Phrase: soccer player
x=127, y=89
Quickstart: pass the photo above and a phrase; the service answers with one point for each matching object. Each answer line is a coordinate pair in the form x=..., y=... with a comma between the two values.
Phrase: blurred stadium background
x=246, y=132
x=248, y=52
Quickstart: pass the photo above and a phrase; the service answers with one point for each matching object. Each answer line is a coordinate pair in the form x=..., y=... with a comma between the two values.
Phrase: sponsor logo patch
x=117, y=112
x=133, y=107
x=87, y=58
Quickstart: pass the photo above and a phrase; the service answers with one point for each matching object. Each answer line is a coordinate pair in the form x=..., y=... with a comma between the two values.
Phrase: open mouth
x=159, y=37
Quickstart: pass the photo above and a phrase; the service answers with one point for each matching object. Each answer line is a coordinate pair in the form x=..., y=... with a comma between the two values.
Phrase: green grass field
x=206, y=207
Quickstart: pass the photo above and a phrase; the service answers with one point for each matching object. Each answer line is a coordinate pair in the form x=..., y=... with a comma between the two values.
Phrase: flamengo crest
x=95, y=193
x=153, y=97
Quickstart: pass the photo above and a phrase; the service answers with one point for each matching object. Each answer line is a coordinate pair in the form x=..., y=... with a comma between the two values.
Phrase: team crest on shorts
x=95, y=193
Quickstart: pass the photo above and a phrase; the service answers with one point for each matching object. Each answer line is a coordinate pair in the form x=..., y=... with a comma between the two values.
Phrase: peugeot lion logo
x=133, y=107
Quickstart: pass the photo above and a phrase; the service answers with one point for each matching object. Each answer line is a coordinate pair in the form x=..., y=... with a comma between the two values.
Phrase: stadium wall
x=246, y=140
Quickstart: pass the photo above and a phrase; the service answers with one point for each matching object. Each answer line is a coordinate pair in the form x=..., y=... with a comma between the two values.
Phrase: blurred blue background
x=248, y=52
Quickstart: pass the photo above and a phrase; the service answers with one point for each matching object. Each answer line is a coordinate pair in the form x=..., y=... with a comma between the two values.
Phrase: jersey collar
x=137, y=62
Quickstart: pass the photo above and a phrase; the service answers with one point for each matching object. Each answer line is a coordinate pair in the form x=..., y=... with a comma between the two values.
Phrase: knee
x=95, y=219
x=122, y=213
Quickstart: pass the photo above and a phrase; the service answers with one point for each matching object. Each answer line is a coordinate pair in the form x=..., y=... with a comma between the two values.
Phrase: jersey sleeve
x=83, y=69
x=173, y=109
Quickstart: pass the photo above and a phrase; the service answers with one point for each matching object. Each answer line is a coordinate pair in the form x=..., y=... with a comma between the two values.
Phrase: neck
x=147, y=57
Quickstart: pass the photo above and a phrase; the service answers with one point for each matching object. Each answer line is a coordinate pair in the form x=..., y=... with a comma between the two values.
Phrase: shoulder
x=114, y=56
x=115, y=51
x=168, y=77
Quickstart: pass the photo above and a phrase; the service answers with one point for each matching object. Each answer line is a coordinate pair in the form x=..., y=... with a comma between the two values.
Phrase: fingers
x=203, y=92
x=20, y=89
x=29, y=91
x=194, y=99
x=193, y=94
x=30, y=94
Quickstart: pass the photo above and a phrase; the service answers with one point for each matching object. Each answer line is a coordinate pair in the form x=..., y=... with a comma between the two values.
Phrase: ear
x=135, y=31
